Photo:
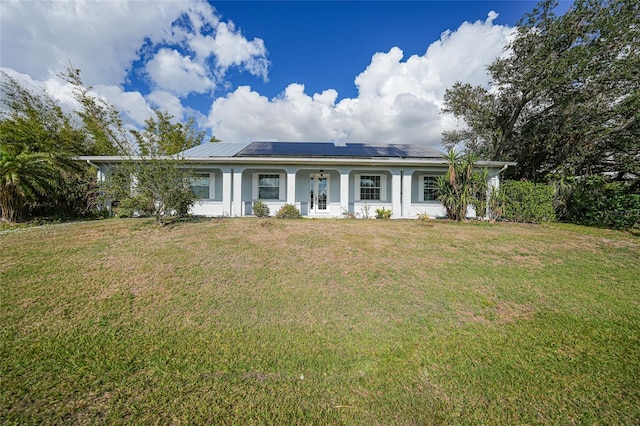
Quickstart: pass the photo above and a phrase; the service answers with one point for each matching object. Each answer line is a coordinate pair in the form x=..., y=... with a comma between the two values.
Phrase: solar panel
x=330, y=149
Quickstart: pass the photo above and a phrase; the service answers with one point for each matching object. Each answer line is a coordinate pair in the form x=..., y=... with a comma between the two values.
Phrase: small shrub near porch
x=383, y=213
x=260, y=209
x=288, y=211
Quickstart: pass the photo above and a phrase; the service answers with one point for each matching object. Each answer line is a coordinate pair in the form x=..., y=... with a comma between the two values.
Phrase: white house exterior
x=322, y=179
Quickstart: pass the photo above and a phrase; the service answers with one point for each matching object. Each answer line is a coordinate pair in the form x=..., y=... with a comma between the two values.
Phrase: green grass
x=246, y=321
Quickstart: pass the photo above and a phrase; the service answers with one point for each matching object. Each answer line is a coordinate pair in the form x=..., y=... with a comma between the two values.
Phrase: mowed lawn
x=249, y=321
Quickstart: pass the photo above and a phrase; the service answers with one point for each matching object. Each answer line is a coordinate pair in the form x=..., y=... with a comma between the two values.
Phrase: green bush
x=260, y=209
x=383, y=213
x=288, y=211
x=527, y=202
x=599, y=202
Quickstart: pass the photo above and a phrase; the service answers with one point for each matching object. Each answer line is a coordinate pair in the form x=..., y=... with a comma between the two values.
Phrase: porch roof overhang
x=299, y=161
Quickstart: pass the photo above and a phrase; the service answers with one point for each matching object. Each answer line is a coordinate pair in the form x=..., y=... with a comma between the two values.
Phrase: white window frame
x=212, y=186
x=421, y=188
x=383, y=186
x=281, y=187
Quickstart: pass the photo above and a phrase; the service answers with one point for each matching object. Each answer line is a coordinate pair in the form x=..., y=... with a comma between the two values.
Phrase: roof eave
x=382, y=161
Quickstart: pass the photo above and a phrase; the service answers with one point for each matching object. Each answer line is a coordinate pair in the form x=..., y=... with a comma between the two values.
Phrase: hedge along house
x=322, y=179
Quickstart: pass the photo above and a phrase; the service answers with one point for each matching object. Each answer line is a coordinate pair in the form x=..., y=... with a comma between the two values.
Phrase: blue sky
x=326, y=44
x=355, y=71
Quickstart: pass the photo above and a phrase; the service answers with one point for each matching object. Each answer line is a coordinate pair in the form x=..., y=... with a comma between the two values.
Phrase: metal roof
x=215, y=149
x=334, y=150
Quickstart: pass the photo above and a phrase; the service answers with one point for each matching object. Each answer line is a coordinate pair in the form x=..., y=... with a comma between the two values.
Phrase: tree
x=154, y=186
x=155, y=183
x=102, y=125
x=566, y=98
x=462, y=186
x=162, y=136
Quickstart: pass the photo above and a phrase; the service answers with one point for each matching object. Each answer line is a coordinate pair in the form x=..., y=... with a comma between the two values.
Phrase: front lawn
x=265, y=321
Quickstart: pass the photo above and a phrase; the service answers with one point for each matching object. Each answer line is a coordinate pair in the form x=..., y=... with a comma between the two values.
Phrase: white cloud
x=246, y=115
x=166, y=101
x=398, y=101
x=232, y=49
x=40, y=38
x=131, y=104
x=178, y=74
x=104, y=38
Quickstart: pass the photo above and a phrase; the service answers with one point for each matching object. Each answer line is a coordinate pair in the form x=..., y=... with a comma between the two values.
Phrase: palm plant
x=446, y=196
x=482, y=191
x=462, y=186
x=24, y=175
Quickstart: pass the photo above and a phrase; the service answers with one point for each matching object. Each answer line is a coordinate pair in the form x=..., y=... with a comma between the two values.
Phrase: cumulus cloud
x=132, y=104
x=232, y=49
x=105, y=38
x=178, y=74
x=399, y=101
x=102, y=38
x=166, y=101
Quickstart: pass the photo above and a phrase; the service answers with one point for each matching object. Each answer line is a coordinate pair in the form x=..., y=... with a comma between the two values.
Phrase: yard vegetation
x=264, y=321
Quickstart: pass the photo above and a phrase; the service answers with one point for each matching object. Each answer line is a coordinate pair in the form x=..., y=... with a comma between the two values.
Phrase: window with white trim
x=201, y=185
x=429, y=188
x=370, y=187
x=268, y=186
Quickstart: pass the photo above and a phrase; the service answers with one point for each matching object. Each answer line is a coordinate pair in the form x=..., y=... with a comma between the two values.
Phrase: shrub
x=260, y=209
x=598, y=202
x=383, y=213
x=527, y=202
x=424, y=216
x=288, y=211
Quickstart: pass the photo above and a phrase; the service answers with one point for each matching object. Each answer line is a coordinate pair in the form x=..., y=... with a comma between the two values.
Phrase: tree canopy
x=564, y=99
x=164, y=136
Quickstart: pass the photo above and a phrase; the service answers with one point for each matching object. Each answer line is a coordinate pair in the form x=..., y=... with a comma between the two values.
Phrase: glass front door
x=319, y=194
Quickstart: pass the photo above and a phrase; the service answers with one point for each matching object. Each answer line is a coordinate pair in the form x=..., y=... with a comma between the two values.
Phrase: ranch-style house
x=322, y=179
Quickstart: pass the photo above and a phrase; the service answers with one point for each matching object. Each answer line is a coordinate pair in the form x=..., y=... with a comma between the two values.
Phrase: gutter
x=305, y=161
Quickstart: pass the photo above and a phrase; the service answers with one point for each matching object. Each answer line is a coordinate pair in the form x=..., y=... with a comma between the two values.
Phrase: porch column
x=227, y=201
x=236, y=204
x=291, y=187
x=406, y=193
x=396, y=191
x=493, y=185
x=344, y=190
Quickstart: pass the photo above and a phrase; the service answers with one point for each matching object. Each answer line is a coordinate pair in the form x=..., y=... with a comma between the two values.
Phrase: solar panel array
x=330, y=149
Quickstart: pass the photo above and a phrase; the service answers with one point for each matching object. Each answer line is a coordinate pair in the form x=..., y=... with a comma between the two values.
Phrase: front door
x=319, y=194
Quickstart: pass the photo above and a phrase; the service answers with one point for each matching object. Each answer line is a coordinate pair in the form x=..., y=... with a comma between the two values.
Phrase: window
x=268, y=186
x=430, y=188
x=370, y=187
x=200, y=185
